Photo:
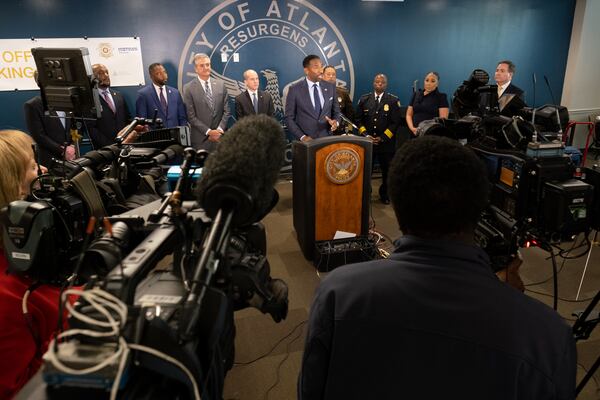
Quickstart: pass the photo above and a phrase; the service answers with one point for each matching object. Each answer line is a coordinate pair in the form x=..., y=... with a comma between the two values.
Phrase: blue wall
x=403, y=40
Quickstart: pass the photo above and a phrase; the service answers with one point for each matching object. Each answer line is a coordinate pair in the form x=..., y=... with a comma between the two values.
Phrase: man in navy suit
x=253, y=100
x=115, y=113
x=510, y=97
x=163, y=99
x=311, y=109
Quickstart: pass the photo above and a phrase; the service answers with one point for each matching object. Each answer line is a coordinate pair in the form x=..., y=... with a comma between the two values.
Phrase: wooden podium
x=331, y=189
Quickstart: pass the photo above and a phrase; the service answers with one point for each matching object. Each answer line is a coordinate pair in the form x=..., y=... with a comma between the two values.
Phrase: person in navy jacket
x=311, y=109
x=166, y=100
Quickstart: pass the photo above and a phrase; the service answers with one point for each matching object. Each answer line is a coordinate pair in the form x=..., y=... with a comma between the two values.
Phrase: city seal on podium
x=342, y=165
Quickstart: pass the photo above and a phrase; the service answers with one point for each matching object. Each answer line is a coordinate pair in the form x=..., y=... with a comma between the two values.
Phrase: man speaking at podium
x=311, y=109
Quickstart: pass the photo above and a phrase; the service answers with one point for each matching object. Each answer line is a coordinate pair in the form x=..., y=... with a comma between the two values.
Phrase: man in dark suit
x=50, y=132
x=206, y=101
x=253, y=100
x=343, y=98
x=115, y=113
x=382, y=329
x=160, y=98
x=510, y=97
x=311, y=108
x=378, y=117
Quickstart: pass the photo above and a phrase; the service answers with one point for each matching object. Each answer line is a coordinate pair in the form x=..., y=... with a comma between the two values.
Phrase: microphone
x=167, y=154
x=550, y=90
x=348, y=121
x=533, y=106
x=239, y=176
x=560, y=131
x=414, y=85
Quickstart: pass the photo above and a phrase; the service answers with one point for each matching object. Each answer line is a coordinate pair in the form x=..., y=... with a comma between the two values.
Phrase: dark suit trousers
x=384, y=159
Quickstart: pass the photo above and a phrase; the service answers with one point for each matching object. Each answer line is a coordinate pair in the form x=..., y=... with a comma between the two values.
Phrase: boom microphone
x=240, y=174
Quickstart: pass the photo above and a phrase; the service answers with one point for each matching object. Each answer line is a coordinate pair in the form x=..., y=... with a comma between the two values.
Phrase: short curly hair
x=438, y=187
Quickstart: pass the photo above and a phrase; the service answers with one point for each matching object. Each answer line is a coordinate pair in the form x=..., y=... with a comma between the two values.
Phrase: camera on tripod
x=537, y=196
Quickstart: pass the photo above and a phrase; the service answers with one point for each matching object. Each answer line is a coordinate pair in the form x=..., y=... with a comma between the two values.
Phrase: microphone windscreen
x=241, y=173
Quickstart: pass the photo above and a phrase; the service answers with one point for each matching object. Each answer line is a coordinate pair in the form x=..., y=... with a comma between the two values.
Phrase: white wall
x=581, y=90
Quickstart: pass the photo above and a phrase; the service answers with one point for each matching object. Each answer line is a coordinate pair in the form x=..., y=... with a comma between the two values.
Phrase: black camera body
x=536, y=194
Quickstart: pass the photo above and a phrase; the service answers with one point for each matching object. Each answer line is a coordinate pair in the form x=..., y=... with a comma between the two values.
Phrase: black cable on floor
x=274, y=347
x=560, y=298
x=287, y=355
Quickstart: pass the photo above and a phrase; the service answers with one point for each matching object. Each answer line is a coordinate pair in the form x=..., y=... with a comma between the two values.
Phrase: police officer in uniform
x=343, y=98
x=378, y=117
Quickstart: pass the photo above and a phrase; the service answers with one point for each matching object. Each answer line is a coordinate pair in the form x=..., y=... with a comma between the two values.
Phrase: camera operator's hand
x=510, y=274
x=70, y=153
x=214, y=135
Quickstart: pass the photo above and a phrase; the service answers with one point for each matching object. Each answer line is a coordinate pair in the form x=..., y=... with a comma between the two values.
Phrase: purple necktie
x=163, y=101
x=108, y=100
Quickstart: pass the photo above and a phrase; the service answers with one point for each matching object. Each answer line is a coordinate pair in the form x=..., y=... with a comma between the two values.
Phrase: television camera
x=539, y=195
x=131, y=325
x=173, y=326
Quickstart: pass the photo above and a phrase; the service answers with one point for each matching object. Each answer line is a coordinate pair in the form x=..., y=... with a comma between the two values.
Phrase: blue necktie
x=317, y=99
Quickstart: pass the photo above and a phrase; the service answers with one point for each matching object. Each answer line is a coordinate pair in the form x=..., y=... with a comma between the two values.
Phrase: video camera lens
x=106, y=252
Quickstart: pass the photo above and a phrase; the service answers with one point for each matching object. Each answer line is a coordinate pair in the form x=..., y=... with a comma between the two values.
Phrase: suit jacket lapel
x=249, y=101
x=326, y=96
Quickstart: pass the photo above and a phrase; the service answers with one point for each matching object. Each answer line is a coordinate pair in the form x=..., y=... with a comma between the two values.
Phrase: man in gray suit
x=207, y=105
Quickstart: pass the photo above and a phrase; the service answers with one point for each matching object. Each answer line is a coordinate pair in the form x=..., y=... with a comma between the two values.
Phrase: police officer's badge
x=386, y=108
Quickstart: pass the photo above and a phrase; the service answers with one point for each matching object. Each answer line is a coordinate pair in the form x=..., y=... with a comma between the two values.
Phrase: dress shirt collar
x=311, y=83
x=157, y=88
x=502, y=88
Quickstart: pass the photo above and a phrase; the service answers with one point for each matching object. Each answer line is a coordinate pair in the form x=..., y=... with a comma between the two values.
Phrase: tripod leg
x=587, y=376
x=587, y=261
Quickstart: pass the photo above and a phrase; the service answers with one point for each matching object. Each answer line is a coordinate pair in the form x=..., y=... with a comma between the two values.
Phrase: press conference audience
x=433, y=321
x=23, y=337
x=427, y=103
